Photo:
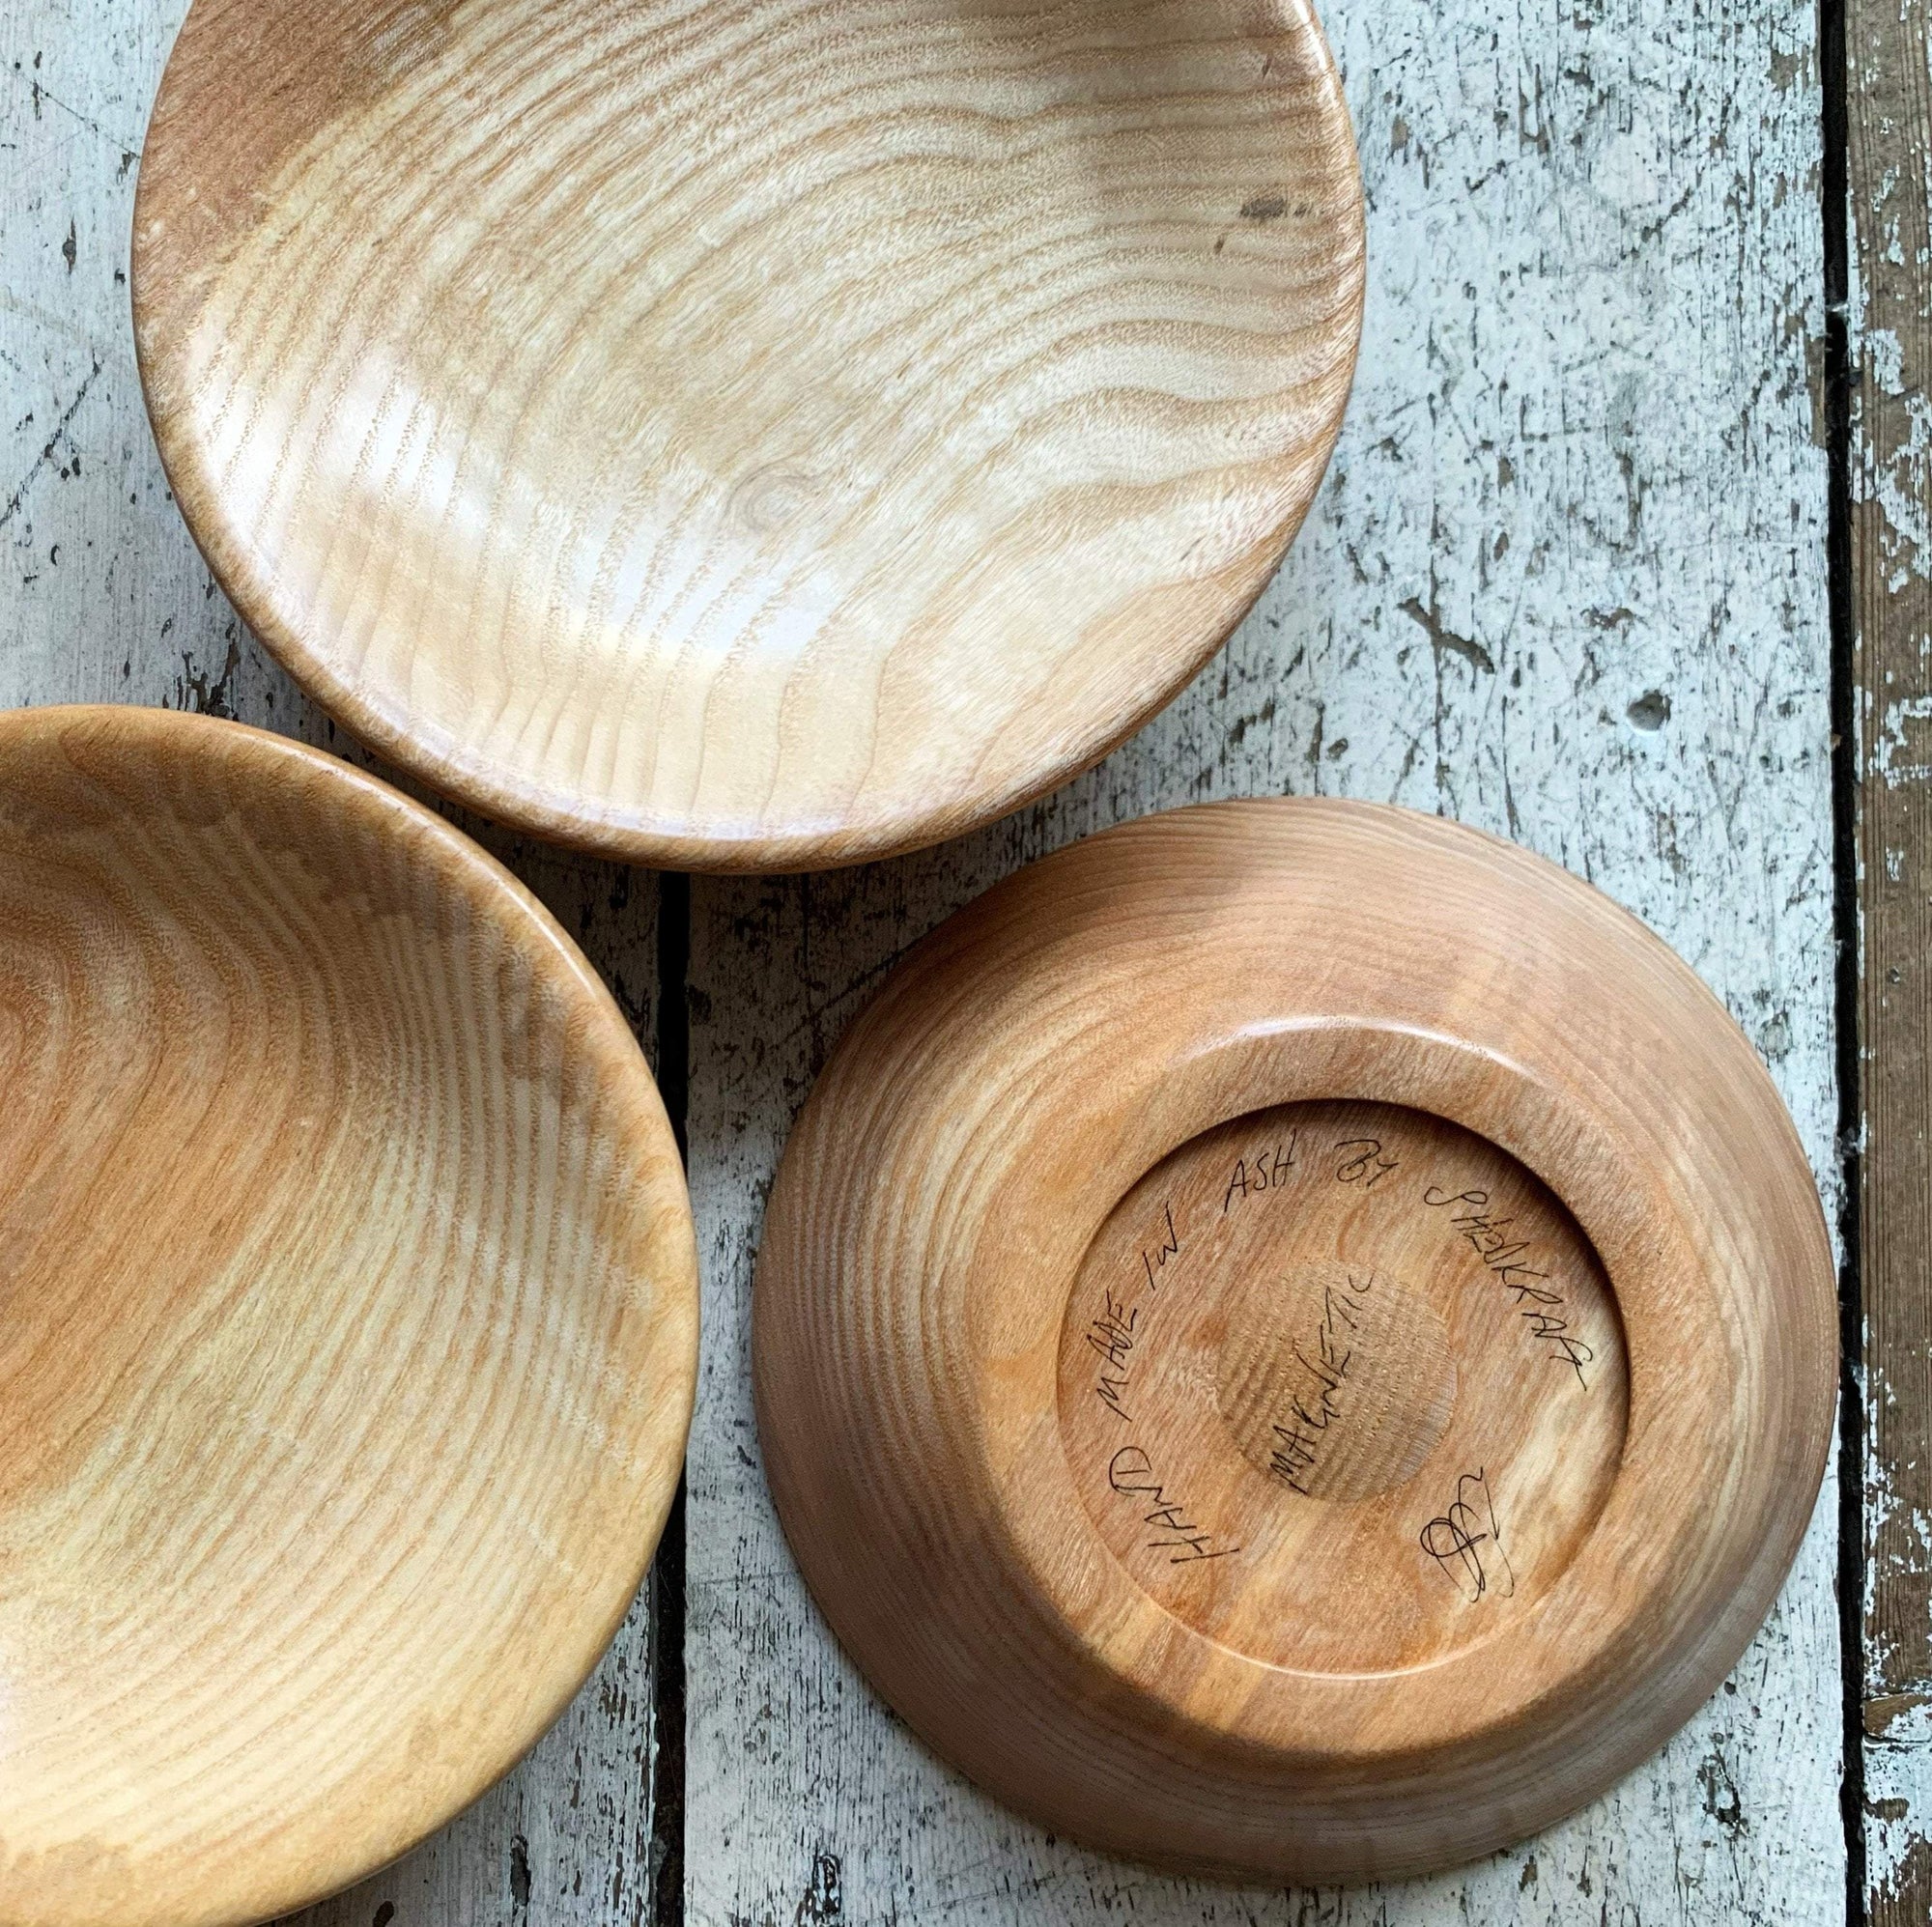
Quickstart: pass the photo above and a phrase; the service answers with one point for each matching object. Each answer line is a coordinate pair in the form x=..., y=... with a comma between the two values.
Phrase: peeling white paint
x=1579, y=466
x=103, y=598
x=1891, y=751
x=1580, y=443
x=1898, y=1795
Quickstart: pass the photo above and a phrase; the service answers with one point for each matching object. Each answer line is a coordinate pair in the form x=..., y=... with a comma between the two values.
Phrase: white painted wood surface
x=104, y=599
x=1889, y=483
x=1566, y=581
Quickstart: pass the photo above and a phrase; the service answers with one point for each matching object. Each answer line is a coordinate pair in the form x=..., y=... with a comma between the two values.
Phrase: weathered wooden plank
x=104, y=599
x=1593, y=454
x=1888, y=99
x=1566, y=581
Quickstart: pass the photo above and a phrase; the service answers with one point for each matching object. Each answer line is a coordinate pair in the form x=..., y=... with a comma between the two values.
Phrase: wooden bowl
x=1294, y=1341
x=746, y=436
x=347, y=1319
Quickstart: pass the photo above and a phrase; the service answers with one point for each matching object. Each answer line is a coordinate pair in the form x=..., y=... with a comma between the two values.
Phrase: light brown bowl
x=754, y=434
x=1294, y=1339
x=348, y=1320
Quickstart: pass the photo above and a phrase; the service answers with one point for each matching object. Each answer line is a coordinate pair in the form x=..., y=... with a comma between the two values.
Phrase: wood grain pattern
x=1620, y=405
x=1566, y=580
x=1345, y=1294
x=1890, y=125
x=1126, y=1623
x=350, y=1319
x=104, y=599
x=746, y=436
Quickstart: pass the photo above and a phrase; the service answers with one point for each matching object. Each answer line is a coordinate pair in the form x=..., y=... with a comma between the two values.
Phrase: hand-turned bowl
x=754, y=434
x=348, y=1318
x=1294, y=1339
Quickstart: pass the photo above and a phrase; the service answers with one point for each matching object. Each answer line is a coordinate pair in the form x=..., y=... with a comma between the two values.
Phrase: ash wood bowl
x=348, y=1320
x=755, y=434
x=1294, y=1341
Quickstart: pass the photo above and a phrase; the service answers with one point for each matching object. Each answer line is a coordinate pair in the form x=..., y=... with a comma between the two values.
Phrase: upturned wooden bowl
x=348, y=1318
x=760, y=434
x=1296, y=1341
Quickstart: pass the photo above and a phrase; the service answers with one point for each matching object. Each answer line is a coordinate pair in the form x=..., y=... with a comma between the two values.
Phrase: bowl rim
x=494, y=893
x=927, y=1464
x=447, y=762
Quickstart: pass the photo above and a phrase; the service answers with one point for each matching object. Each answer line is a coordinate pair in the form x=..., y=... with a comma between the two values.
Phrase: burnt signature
x=1466, y=1544
x=1298, y=1442
x=1365, y=1163
x=1156, y=1261
x=1539, y=1303
x=1131, y=1473
x=1268, y=1172
x=1113, y=1334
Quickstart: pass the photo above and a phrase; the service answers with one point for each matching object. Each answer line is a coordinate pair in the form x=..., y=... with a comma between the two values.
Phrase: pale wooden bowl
x=1296, y=1341
x=747, y=436
x=348, y=1320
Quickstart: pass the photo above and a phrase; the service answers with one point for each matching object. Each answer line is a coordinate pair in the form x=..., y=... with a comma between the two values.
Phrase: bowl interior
x=747, y=434
x=346, y=1320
